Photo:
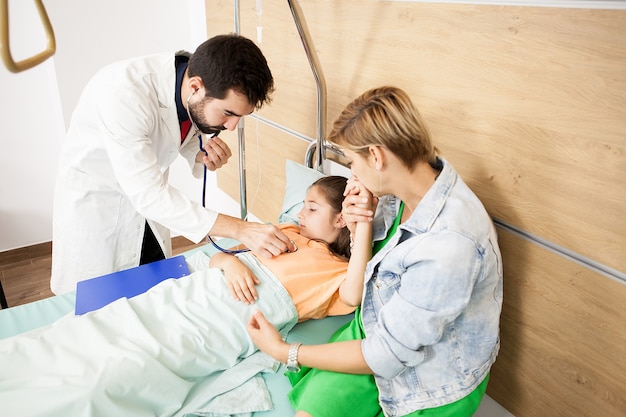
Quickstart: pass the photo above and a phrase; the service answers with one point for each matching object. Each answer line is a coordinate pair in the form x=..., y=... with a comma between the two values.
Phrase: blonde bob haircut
x=384, y=117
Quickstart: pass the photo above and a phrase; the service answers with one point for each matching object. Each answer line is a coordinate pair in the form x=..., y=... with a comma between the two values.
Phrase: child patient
x=163, y=352
x=313, y=274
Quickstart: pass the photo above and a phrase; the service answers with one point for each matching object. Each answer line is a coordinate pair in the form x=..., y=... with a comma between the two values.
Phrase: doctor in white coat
x=113, y=207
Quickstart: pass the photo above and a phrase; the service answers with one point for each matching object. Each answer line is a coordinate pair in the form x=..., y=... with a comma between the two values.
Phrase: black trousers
x=150, y=249
x=3, y=299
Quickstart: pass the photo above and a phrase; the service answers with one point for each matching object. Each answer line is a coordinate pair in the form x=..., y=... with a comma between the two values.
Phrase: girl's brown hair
x=332, y=188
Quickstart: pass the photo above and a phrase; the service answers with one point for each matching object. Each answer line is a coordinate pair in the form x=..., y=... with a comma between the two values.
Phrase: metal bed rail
x=241, y=140
x=316, y=152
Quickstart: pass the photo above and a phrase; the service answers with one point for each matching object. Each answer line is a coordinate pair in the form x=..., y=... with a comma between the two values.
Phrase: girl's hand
x=241, y=281
x=266, y=337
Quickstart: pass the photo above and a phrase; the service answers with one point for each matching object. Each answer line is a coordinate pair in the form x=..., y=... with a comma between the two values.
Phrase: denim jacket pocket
x=386, y=285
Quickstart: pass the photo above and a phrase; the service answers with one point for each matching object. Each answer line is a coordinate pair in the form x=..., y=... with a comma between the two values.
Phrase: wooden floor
x=25, y=272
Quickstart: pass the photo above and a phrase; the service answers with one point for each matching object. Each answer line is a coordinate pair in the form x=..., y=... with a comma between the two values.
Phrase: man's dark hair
x=232, y=62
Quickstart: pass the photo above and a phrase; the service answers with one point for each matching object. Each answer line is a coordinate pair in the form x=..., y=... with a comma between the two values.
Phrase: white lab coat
x=113, y=170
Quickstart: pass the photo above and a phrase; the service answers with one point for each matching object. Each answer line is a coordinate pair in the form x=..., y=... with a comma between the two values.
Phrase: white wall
x=31, y=125
x=37, y=104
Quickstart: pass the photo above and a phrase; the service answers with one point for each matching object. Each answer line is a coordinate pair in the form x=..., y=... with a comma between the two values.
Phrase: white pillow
x=298, y=178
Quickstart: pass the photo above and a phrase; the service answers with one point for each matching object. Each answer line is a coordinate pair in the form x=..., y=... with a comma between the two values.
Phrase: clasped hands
x=359, y=204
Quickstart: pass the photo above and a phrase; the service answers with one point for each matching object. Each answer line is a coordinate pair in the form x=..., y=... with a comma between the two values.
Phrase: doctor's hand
x=264, y=239
x=217, y=153
x=267, y=338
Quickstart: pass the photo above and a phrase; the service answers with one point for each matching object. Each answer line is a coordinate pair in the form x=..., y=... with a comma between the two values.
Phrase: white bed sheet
x=161, y=353
x=27, y=317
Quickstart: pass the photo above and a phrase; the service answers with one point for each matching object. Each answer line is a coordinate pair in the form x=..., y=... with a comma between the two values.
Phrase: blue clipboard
x=94, y=293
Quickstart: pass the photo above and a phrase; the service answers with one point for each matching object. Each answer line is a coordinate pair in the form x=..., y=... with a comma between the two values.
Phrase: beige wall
x=529, y=104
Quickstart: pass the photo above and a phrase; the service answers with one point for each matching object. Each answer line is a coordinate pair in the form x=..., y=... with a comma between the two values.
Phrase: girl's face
x=317, y=218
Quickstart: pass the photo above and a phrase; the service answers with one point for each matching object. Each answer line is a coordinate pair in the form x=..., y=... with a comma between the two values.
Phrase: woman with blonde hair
x=427, y=331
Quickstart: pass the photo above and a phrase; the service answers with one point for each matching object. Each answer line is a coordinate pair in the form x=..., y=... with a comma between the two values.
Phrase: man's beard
x=197, y=117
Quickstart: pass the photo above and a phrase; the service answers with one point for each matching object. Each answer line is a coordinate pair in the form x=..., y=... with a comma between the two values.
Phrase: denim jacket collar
x=424, y=215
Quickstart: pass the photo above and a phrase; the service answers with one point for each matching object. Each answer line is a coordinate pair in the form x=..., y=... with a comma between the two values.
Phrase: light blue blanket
x=172, y=351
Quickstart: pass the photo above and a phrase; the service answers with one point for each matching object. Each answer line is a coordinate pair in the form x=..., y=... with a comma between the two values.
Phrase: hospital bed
x=20, y=319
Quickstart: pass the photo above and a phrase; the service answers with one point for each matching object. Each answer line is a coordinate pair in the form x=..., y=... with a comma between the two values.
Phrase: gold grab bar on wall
x=5, y=47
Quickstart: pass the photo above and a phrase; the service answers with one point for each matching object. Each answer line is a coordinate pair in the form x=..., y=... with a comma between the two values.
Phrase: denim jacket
x=432, y=300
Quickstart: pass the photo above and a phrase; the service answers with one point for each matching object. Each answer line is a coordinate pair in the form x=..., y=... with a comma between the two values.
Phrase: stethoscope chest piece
x=295, y=248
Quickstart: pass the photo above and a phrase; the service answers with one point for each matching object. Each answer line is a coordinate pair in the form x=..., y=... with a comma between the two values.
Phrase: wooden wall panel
x=562, y=336
x=529, y=104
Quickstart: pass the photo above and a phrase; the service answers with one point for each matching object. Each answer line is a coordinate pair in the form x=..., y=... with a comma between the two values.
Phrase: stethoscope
x=200, y=144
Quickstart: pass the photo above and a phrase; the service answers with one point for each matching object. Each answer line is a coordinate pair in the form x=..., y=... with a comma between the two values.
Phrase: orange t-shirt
x=311, y=275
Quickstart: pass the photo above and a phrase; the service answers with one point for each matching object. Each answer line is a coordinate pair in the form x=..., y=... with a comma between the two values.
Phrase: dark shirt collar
x=181, y=65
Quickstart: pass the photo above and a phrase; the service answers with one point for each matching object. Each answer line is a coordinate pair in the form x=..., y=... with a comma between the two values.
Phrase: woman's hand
x=267, y=338
x=359, y=204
